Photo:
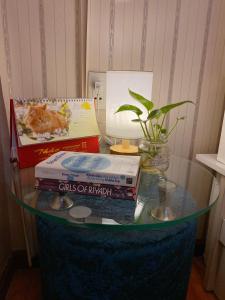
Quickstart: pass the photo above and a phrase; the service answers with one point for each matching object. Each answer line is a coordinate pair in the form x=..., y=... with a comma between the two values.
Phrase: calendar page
x=50, y=120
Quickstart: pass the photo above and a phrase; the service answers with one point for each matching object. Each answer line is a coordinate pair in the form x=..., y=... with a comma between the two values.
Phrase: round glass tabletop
x=182, y=194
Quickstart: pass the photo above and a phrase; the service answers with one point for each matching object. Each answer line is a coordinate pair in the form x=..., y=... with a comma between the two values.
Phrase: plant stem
x=171, y=130
x=153, y=133
x=158, y=129
x=149, y=137
x=142, y=127
x=163, y=120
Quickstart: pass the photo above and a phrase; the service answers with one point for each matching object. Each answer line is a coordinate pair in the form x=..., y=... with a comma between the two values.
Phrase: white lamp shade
x=119, y=125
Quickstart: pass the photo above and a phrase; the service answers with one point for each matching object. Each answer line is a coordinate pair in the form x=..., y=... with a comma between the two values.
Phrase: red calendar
x=42, y=127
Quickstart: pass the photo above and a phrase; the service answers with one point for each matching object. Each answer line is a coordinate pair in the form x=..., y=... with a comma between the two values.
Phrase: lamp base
x=124, y=148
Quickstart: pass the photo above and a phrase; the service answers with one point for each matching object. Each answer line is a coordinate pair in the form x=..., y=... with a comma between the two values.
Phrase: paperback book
x=87, y=188
x=87, y=167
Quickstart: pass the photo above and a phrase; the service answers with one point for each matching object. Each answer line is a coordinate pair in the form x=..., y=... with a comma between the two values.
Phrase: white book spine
x=112, y=179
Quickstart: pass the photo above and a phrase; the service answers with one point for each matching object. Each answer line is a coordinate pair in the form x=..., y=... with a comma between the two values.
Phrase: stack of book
x=103, y=175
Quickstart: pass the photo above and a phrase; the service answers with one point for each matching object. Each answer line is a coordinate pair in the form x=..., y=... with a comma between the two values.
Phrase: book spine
x=107, y=179
x=86, y=188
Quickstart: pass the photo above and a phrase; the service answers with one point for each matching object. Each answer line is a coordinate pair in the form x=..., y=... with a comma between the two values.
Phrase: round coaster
x=79, y=212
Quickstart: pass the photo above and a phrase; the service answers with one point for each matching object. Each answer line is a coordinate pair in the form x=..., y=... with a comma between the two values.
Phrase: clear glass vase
x=154, y=156
x=155, y=159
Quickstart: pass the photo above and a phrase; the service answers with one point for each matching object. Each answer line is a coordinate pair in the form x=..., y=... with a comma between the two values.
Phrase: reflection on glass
x=60, y=201
x=138, y=209
x=187, y=201
x=164, y=211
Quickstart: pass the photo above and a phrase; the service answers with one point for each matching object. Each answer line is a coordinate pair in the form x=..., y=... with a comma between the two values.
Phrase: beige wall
x=10, y=209
x=182, y=42
x=44, y=47
x=5, y=245
x=37, y=62
x=43, y=53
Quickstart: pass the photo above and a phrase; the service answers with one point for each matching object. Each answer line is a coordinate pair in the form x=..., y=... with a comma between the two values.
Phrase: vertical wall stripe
x=20, y=50
x=78, y=52
x=54, y=38
x=201, y=74
x=83, y=25
x=132, y=42
x=29, y=25
x=7, y=46
x=144, y=35
x=174, y=53
x=99, y=34
x=111, y=33
x=65, y=49
x=43, y=48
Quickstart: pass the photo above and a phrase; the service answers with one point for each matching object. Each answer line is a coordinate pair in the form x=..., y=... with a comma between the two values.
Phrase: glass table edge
x=134, y=226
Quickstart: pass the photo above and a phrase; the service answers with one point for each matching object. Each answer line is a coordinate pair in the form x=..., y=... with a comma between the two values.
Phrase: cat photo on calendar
x=39, y=121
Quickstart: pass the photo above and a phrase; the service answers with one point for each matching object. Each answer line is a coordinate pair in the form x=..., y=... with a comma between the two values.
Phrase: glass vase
x=154, y=156
x=155, y=160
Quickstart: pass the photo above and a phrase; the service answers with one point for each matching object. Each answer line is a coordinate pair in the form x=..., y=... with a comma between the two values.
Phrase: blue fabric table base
x=105, y=264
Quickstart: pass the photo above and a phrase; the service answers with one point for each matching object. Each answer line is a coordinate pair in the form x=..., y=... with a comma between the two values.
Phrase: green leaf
x=136, y=120
x=154, y=114
x=145, y=102
x=163, y=130
x=128, y=107
x=167, y=108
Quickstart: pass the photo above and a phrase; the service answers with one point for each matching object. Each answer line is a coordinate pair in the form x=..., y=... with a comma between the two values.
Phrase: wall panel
x=152, y=19
x=93, y=40
x=118, y=33
x=24, y=45
x=50, y=43
x=210, y=106
x=70, y=48
x=60, y=46
x=159, y=44
x=190, y=38
x=35, y=48
x=203, y=102
x=168, y=52
x=14, y=47
x=4, y=63
x=103, y=39
x=5, y=236
x=42, y=53
x=43, y=39
x=46, y=46
x=182, y=42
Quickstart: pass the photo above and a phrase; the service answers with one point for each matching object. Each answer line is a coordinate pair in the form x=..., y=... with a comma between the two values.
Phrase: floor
x=26, y=284
x=196, y=290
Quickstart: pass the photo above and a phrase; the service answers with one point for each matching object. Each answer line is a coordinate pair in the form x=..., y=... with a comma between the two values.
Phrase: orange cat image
x=41, y=120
